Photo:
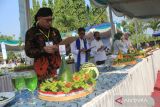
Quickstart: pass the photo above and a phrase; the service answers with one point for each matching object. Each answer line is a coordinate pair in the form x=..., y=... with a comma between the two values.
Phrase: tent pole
x=24, y=17
x=136, y=29
x=28, y=14
x=112, y=26
x=25, y=22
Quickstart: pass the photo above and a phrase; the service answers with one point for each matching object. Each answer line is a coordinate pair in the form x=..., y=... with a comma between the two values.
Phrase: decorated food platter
x=123, y=60
x=74, y=94
x=68, y=86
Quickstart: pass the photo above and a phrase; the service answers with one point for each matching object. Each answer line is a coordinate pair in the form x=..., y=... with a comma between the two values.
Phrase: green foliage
x=71, y=14
x=5, y=37
x=50, y=3
x=137, y=27
x=141, y=38
x=34, y=9
x=154, y=24
x=49, y=86
x=75, y=14
x=81, y=80
x=11, y=55
x=133, y=26
x=44, y=3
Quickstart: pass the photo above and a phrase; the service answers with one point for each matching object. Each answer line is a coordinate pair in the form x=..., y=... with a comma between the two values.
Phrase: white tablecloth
x=6, y=83
x=140, y=81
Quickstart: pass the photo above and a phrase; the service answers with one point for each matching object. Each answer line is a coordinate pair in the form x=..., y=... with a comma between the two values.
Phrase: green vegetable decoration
x=90, y=68
x=65, y=73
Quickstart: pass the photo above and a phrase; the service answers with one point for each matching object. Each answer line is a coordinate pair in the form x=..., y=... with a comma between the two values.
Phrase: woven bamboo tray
x=66, y=97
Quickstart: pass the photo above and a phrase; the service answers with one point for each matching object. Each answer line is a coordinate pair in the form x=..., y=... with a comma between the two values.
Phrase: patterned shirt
x=35, y=41
x=45, y=64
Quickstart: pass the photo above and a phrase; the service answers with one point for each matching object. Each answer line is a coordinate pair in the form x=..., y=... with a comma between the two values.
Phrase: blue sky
x=9, y=19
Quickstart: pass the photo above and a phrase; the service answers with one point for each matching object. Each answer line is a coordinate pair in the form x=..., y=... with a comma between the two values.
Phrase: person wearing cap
x=41, y=44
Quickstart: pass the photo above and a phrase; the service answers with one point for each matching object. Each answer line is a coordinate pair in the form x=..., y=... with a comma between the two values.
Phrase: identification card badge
x=49, y=43
x=62, y=49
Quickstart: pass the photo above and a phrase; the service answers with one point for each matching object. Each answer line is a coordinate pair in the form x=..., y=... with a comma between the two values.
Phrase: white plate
x=9, y=95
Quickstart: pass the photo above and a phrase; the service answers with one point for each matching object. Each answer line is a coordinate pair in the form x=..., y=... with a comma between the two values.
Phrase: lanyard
x=47, y=36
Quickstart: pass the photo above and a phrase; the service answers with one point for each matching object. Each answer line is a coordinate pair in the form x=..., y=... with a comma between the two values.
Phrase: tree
x=34, y=9
x=71, y=14
x=44, y=3
x=97, y=15
x=6, y=37
x=134, y=26
x=50, y=4
x=154, y=24
x=11, y=55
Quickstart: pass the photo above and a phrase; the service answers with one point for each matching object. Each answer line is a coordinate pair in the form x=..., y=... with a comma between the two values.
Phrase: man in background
x=79, y=48
x=98, y=49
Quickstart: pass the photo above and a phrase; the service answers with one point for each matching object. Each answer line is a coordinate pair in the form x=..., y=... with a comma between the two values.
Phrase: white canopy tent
x=132, y=8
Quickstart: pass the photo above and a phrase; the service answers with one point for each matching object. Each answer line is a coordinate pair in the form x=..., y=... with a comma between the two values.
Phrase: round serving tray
x=65, y=97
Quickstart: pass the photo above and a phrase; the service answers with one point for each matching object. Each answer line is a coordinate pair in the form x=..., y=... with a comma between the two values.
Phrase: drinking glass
x=19, y=84
x=31, y=84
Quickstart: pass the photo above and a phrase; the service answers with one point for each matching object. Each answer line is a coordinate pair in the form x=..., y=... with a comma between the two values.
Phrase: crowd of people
x=12, y=63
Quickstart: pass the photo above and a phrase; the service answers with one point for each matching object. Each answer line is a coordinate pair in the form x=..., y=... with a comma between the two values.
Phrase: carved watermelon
x=90, y=68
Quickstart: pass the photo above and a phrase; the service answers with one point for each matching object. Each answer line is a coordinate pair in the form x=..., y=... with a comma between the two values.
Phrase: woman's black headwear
x=44, y=12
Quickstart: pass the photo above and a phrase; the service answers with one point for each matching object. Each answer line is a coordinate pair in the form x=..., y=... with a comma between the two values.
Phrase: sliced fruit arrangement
x=126, y=59
x=90, y=68
x=68, y=83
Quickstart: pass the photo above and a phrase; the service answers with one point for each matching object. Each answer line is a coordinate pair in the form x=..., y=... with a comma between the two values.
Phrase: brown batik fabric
x=45, y=64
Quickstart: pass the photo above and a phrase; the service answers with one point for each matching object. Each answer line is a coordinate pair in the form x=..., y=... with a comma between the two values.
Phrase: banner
x=4, y=53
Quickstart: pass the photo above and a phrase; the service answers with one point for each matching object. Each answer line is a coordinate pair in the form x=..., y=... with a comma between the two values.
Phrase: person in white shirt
x=80, y=49
x=127, y=43
x=118, y=44
x=98, y=49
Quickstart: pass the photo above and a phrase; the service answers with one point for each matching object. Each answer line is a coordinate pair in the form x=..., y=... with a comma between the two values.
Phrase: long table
x=136, y=80
x=140, y=81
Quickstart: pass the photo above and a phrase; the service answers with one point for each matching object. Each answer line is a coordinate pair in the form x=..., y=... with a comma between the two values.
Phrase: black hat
x=44, y=12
